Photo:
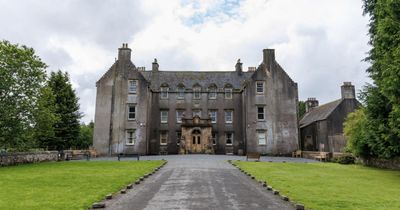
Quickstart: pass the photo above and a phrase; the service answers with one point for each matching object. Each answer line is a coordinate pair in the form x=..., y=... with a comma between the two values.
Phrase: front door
x=196, y=144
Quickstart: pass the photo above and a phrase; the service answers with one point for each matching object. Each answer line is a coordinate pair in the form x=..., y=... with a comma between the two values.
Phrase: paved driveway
x=198, y=182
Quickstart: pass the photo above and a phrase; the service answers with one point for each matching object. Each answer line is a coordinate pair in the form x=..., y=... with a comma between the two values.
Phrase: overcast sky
x=320, y=43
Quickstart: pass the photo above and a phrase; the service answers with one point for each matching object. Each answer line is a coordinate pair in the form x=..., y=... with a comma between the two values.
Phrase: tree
x=86, y=136
x=377, y=130
x=67, y=128
x=302, y=109
x=22, y=75
x=45, y=119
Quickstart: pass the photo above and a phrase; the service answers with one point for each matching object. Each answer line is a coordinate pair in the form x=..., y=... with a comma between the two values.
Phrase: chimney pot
x=124, y=53
x=239, y=67
x=311, y=103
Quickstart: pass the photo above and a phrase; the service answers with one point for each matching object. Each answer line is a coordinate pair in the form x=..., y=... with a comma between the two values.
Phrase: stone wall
x=382, y=163
x=16, y=158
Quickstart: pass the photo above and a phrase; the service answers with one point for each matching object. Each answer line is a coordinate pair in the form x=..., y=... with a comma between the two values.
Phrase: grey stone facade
x=138, y=111
x=321, y=127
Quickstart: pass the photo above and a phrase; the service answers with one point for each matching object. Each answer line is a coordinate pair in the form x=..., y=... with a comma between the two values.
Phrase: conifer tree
x=67, y=128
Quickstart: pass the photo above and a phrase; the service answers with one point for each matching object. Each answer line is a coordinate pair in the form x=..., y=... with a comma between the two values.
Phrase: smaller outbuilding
x=321, y=128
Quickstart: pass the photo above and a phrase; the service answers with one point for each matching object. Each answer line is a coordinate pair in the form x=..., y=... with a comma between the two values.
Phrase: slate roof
x=203, y=78
x=319, y=113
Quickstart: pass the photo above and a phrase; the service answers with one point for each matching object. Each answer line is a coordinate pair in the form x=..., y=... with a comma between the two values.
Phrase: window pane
x=228, y=116
x=260, y=87
x=181, y=92
x=213, y=116
x=130, y=137
x=229, y=138
x=164, y=92
x=260, y=113
x=179, y=114
x=228, y=93
x=164, y=116
x=132, y=86
x=261, y=137
x=131, y=112
x=163, y=138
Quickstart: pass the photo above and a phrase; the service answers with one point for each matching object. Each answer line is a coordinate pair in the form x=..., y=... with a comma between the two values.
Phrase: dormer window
x=228, y=91
x=212, y=92
x=164, y=91
x=180, y=92
x=132, y=86
x=260, y=87
x=196, y=92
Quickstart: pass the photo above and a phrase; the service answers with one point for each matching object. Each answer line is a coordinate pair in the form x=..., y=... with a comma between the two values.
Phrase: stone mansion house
x=182, y=112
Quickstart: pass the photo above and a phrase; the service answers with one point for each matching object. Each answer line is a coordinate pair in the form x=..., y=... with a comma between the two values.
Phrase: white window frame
x=161, y=137
x=198, y=111
x=227, y=120
x=197, y=91
x=130, y=139
x=228, y=93
x=164, y=92
x=263, y=135
x=132, y=86
x=179, y=115
x=263, y=87
x=226, y=139
x=180, y=93
x=129, y=111
x=211, y=113
x=164, y=119
x=212, y=94
x=263, y=113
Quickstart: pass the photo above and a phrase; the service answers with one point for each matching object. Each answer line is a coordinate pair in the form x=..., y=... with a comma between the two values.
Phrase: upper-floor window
x=212, y=92
x=180, y=92
x=196, y=92
x=163, y=137
x=260, y=87
x=131, y=112
x=228, y=91
x=228, y=116
x=261, y=137
x=132, y=86
x=179, y=114
x=213, y=115
x=164, y=92
x=229, y=138
x=178, y=137
x=164, y=116
x=130, y=137
x=260, y=113
x=197, y=112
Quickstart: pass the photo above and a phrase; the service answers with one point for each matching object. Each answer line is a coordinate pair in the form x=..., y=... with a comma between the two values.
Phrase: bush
x=345, y=159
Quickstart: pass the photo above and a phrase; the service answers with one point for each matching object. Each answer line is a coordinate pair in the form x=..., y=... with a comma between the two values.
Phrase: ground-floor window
x=163, y=138
x=229, y=138
x=130, y=137
x=178, y=137
x=261, y=137
x=214, y=138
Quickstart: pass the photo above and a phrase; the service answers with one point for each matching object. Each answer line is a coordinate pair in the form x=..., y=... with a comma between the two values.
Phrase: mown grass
x=66, y=185
x=330, y=185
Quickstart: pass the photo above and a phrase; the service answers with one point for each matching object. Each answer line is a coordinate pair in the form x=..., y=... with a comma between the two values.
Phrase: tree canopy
x=375, y=130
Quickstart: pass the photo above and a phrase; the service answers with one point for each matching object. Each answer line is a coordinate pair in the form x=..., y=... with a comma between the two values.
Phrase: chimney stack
x=311, y=103
x=124, y=53
x=239, y=67
x=269, y=58
x=348, y=91
x=155, y=65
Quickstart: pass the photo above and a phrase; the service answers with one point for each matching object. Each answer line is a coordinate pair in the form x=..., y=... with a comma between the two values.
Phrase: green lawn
x=330, y=185
x=66, y=185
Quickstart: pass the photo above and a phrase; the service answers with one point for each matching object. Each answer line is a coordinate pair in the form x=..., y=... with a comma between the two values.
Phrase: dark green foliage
x=45, y=118
x=302, y=109
x=86, y=136
x=377, y=130
x=67, y=128
x=345, y=159
x=22, y=75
